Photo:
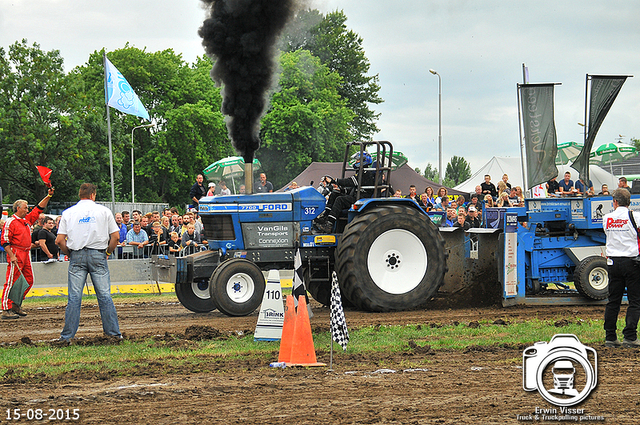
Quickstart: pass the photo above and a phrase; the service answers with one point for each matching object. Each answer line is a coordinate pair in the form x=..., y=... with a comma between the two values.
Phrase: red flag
x=45, y=174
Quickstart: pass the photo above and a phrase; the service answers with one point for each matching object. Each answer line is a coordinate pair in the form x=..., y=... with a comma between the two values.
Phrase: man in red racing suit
x=16, y=241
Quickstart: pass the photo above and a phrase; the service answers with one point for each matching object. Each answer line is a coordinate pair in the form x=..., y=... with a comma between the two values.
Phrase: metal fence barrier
x=127, y=252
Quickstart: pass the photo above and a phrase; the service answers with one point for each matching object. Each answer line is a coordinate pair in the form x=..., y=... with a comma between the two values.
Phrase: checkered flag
x=299, y=290
x=339, y=331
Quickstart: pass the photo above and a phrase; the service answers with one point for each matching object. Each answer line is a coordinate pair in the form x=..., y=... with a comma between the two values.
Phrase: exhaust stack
x=248, y=177
x=240, y=36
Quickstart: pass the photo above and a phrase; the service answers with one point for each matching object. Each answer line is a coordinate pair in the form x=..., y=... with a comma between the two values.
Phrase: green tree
x=431, y=173
x=180, y=151
x=43, y=121
x=307, y=120
x=339, y=48
x=458, y=170
x=183, y=103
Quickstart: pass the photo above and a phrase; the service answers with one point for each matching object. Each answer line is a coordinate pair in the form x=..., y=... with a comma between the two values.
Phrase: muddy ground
x=481, y=385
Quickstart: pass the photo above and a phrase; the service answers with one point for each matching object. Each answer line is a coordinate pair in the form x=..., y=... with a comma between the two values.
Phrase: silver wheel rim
x=598, y=278
x=201, y=290
x=240, y=288
x=397, y=261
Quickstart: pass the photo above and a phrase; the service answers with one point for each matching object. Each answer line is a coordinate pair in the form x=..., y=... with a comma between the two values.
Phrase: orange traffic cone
x=286, y=341
x=303, y=352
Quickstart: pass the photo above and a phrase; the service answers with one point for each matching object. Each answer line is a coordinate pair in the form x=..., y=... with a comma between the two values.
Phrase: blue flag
x=120, y=95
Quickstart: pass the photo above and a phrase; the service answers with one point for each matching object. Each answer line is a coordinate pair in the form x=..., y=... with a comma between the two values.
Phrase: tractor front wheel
x=236, y=287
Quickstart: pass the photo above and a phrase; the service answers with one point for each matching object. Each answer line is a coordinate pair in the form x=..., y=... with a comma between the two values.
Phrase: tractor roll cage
x=381, y=165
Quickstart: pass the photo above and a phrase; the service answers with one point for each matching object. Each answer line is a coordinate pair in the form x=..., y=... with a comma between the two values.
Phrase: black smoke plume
x=240, y=36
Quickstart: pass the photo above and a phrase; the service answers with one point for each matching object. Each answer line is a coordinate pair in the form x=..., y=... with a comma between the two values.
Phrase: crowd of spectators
x=461, y=211
x=141, y=235
x=152, y=233
x=567, y=187
x=466, y=211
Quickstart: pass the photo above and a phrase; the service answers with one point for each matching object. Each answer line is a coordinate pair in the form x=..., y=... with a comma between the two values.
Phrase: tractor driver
x=340, y=200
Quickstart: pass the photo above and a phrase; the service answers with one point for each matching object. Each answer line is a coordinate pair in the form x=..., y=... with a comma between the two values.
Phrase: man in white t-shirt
x=622, y=249
x=88, y=234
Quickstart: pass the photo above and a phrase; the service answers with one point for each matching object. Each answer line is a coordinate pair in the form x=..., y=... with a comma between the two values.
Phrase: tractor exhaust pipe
x=248, y=177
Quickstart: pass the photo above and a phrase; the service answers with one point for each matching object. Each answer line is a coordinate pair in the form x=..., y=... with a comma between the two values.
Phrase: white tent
x=512, y=167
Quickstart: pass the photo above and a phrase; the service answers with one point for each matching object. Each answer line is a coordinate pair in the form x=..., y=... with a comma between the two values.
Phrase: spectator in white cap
x=212, y=189
x=472, y=217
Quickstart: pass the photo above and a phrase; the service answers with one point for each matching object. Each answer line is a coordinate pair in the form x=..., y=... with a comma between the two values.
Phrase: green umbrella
x=567, y=152
x=397, y=159
x=230, y=167
x=610, y=153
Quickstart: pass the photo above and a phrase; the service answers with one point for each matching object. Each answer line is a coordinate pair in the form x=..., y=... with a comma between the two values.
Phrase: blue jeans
x=94, y=263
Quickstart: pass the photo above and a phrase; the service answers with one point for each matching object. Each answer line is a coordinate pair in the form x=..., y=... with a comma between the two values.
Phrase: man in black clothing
x=413, y=195
x=48, y=240
x=462, y=222
x=338, y=200
x=623, y=184
x=472, y=217
x=263, y=185
x=197, y=190
x=621, y=230
x=126, y=220
x=553, y=186
x=489, y=188
x=505, y=179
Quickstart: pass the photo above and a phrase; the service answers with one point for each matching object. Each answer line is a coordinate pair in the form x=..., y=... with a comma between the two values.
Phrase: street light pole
x=440, y=169
x=133, y=190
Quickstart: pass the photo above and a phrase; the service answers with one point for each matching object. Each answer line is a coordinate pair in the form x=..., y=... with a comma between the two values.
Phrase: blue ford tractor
x=387, y=252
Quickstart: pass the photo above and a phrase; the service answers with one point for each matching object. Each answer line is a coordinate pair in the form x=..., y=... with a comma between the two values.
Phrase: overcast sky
x=478, y=47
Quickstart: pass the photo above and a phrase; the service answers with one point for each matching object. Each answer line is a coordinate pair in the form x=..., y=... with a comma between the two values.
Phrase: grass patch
x=132, y=357
x=461, y=336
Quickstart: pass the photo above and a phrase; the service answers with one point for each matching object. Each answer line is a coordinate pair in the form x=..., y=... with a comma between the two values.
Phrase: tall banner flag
x=541, y=142
x=604, y=90
x=120, y=95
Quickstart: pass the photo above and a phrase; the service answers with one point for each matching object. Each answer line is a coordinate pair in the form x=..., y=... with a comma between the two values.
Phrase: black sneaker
x=324, y=227
x=613, y=344
x=626, y=343
x=322, y=218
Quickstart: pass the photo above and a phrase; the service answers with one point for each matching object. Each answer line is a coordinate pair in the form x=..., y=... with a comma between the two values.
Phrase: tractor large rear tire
x=237, y=287
x=591, y=278
x=195, y=296
x=390, y=258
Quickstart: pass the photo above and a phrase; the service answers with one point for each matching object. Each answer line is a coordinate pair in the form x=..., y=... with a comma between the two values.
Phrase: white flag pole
x=106, y=94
